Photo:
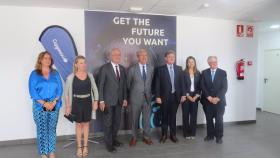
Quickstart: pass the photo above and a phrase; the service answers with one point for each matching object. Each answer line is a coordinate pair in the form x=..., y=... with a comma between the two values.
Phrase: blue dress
x=41, y=88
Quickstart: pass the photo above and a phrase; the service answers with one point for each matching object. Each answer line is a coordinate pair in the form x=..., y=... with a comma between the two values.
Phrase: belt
x=81, y=96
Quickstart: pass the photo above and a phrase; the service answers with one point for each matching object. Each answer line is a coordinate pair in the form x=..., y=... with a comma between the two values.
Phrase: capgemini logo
x=61, y=54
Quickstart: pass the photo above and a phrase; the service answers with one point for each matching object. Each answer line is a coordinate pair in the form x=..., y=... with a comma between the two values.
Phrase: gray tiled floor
x=260, y=140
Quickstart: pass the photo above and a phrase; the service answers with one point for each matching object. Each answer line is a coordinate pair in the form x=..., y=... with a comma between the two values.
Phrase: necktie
x=117, y=72
x=171, y=73
x=212, y=75
x=144, y=73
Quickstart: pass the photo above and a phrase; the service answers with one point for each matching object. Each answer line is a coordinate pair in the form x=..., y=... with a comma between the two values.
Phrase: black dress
x=82, y=103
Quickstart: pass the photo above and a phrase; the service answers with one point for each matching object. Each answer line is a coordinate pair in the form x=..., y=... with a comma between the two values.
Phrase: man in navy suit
x=168, y=91
x=214, y=87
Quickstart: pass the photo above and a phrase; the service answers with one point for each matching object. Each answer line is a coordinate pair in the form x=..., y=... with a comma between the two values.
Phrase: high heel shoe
x=79, y=151
x=85, y=151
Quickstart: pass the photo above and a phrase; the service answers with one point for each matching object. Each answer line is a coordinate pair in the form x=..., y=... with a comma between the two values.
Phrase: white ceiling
x=263, y=11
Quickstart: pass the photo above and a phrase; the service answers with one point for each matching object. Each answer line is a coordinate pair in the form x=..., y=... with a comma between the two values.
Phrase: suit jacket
x=111, y=91
x=136, y=86
x=217, y=88
x=187, y=83
x=163, y=85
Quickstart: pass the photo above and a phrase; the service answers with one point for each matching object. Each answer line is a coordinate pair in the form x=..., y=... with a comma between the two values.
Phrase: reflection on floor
x=260, y=140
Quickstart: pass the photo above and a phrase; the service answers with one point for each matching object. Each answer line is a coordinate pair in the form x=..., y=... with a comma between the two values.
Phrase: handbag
x=70, y=117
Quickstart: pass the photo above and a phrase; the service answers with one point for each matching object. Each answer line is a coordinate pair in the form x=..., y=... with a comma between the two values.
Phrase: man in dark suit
x=139, y=83
x=168, y=91
x=214, y=87
x=112, y=97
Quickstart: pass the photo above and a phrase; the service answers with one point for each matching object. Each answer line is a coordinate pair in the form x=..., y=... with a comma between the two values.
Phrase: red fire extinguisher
x=240, y=64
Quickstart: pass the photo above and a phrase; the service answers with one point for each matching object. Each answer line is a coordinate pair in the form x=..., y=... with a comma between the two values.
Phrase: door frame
x=261, y=77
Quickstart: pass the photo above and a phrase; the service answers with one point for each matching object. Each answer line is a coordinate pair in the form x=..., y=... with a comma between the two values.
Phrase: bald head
x=212, y=62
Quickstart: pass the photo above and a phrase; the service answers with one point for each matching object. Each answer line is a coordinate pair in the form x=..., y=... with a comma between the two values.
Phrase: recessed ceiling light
x=275, y=26
x=205, y=5
x=136, y=9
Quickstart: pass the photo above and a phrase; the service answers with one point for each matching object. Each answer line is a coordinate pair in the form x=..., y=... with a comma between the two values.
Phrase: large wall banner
x=128, y=32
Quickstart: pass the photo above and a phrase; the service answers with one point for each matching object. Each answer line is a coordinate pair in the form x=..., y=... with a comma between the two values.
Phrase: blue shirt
x=41, y=88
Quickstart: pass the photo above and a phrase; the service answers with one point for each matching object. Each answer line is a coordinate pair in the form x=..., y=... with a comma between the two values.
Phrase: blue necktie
x=171, y=73
x=212, y=75
x=144, y=73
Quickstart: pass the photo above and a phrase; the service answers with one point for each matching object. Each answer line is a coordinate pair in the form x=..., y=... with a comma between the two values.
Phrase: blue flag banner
x=59, y=42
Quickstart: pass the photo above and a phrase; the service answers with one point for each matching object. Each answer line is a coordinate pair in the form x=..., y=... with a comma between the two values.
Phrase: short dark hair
x=169, y=52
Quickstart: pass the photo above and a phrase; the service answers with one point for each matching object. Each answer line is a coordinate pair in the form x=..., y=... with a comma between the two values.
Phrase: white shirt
x=192, y=84
x=114, y=67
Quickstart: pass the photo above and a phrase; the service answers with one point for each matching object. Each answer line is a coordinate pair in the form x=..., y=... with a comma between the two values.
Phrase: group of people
x=117, y=88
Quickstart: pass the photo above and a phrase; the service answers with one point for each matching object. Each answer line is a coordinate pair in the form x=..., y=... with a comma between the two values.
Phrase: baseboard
x=100, y=134
x=276, y=114
x=31, y=140
x=226, y=124
x=240, y=122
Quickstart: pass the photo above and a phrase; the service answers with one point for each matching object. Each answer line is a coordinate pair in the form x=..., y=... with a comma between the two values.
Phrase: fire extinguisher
x=240, y=64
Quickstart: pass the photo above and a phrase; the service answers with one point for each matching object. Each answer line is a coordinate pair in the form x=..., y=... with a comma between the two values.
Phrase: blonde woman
x=81, y=97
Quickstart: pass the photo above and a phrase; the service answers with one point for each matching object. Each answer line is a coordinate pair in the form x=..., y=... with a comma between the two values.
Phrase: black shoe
x=163, y=139
x=174, y=139
x=208, y=138
x=219, y=140
x=111, y=149
x=116, y=143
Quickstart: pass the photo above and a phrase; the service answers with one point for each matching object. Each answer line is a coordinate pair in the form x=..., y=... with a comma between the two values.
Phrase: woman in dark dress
x=81, y=97
x=191, y=91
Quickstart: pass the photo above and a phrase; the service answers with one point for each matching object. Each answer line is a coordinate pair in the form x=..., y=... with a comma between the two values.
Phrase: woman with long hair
x=191, y=93
x=81, y=98
x=45, y=89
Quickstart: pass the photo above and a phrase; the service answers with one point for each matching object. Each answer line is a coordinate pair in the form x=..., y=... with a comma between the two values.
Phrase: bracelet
x=55, y=100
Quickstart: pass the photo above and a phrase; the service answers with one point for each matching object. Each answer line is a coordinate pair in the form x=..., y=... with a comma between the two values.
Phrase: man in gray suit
x=139, y=83
x=112, y=97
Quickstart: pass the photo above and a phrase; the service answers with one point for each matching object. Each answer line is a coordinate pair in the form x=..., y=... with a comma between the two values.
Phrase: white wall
x=200, y=37
x=19, y=48
x=267, y=41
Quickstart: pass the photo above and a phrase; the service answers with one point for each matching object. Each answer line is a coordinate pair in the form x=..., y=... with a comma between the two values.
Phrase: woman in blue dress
x=45, y=89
